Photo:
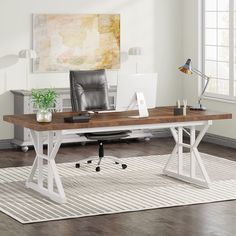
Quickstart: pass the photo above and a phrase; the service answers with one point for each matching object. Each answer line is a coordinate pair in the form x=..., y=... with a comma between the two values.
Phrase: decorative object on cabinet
x=76, y=42
x=189, y=70
x=27, y=54
x=44, y=100
x=23, y=105
x=136, y=52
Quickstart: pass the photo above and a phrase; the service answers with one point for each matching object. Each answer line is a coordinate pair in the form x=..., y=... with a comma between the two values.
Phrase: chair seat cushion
x=111, y=135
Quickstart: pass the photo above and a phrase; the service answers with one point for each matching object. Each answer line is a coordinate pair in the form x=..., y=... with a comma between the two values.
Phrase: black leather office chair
x=89, y=92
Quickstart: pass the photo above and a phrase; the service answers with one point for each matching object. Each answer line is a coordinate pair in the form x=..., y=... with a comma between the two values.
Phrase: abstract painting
x=66, y=42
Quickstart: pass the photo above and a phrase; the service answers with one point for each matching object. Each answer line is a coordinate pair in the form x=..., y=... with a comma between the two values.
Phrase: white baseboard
x=6, y=144
x=220, y=140
x=161, y=133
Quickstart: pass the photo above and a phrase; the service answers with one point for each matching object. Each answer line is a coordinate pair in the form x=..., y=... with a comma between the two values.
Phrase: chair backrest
x=89, y=90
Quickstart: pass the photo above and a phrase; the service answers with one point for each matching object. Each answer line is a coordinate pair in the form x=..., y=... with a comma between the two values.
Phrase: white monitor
x=128, y=85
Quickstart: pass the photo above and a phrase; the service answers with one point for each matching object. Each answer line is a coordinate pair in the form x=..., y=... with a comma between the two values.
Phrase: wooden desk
x=161, y=117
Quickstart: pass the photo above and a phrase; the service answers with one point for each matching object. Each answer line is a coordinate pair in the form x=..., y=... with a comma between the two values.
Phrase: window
x=219, y=47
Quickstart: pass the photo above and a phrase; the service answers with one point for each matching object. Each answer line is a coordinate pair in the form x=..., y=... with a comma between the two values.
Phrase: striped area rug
x=139, y=187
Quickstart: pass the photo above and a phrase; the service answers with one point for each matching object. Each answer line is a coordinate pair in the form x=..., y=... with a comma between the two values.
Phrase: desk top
x=156, y=116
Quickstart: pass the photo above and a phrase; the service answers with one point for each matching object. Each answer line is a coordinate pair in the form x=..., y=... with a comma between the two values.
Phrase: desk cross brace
x=195, y=158
x=56, y=193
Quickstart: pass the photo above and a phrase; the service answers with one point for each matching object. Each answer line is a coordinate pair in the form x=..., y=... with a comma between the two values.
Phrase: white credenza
x=23, y=105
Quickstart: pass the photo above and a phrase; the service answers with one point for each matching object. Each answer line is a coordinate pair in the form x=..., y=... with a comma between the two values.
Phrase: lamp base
x=198, y=107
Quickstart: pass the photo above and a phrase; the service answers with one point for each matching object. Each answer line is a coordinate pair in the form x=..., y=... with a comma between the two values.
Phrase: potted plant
x=44, y=100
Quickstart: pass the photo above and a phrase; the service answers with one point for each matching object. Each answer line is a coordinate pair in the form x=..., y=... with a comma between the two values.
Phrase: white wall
x=155, y=25
x=191, y=41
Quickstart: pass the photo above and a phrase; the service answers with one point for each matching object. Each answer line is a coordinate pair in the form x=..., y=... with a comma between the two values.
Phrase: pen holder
x=178, y=111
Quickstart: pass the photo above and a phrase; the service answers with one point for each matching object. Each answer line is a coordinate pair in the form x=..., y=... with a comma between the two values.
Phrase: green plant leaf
x=44, y=98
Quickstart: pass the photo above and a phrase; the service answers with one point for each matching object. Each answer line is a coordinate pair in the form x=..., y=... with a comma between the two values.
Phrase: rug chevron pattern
x=113, y=190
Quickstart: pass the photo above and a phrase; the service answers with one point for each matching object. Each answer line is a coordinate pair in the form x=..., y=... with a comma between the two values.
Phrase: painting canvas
x=66, y=42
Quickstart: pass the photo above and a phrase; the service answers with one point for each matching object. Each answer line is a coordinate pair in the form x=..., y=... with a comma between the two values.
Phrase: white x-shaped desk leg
x=36, y=181
x=195, y=158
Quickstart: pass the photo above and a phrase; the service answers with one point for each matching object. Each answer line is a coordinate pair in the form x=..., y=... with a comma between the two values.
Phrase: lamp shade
x=27, y=53
x=186, y=68
x=135, y=51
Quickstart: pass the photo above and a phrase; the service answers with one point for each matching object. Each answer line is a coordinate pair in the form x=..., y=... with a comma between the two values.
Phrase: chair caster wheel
x=90, y=161
x=117, y=163
x=97, y=169
x=24, y=149
x=77, y=165
x=124, y=166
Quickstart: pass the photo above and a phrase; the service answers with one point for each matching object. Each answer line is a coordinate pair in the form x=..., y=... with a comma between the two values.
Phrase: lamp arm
x=205, y=77
x=198, y=72
x=204, y=89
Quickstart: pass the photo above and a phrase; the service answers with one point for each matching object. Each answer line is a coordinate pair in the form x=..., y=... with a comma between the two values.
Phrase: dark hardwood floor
x=216, y=219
